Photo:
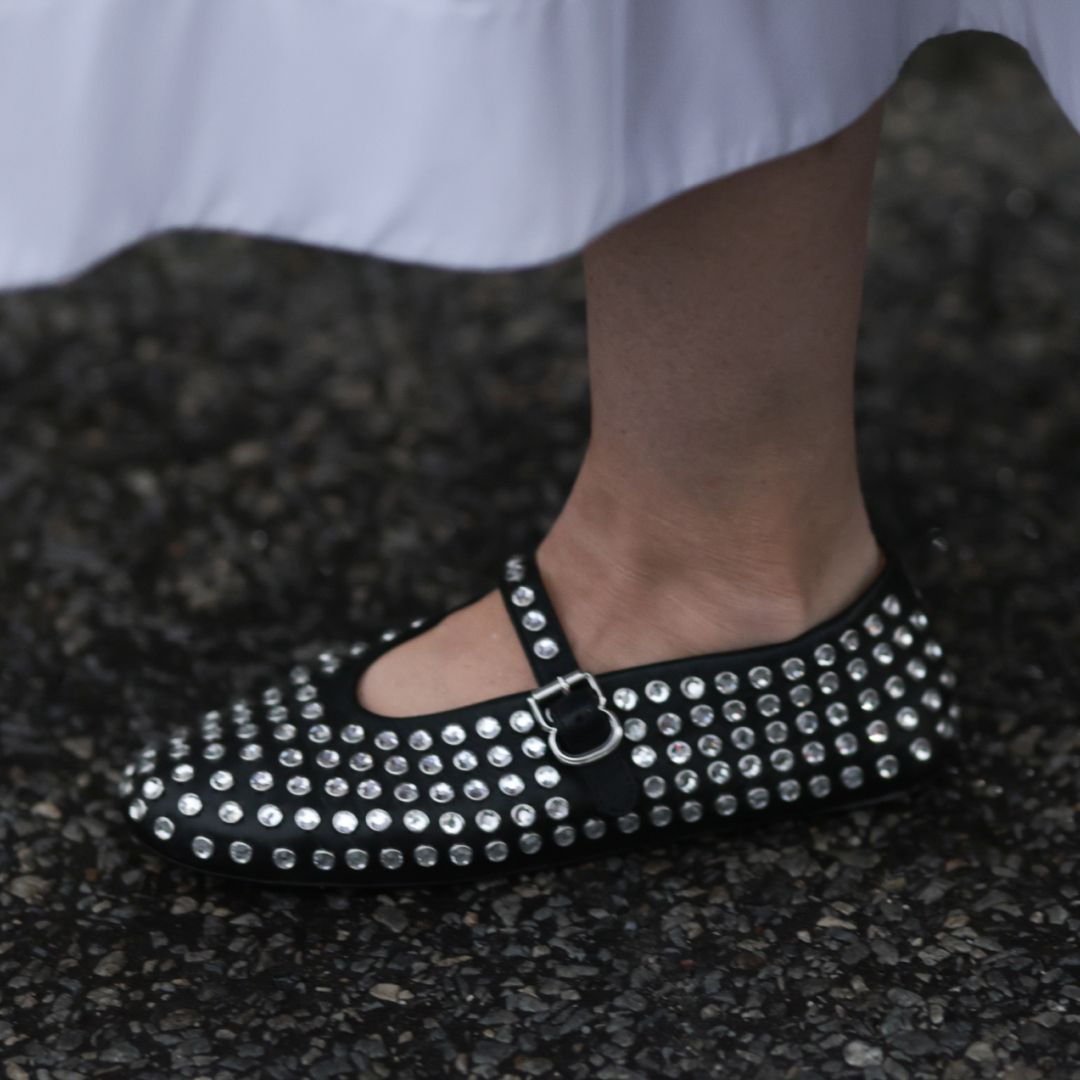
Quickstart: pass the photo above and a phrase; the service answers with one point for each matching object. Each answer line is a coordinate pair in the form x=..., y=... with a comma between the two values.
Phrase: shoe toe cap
x=223, y=808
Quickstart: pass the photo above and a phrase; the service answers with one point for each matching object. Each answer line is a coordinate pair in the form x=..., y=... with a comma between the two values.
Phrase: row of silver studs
x=425, y=855
x=533, y=621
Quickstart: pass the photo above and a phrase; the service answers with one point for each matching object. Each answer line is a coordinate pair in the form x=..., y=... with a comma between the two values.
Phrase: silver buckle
x=563, y=685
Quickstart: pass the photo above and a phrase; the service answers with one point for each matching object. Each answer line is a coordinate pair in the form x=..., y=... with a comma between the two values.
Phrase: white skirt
x=476, y=134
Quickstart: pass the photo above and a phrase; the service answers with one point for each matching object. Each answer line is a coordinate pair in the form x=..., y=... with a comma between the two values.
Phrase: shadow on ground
x=215, y=449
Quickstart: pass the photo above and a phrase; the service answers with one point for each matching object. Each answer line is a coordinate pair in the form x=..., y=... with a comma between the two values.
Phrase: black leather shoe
x=306, y=787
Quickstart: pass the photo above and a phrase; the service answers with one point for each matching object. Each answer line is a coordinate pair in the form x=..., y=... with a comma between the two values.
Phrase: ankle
x=708, y=585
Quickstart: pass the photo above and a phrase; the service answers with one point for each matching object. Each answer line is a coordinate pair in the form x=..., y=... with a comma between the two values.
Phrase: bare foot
x=471, y=655
x=620, y=607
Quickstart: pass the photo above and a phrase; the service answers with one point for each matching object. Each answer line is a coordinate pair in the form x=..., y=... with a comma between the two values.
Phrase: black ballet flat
x=306, y=787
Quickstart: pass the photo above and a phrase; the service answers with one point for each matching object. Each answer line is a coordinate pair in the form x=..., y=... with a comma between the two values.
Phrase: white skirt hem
x=467, y=134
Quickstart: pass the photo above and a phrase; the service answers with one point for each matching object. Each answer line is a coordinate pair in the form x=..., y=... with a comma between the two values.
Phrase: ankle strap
x=535, y=621
x=568, y=703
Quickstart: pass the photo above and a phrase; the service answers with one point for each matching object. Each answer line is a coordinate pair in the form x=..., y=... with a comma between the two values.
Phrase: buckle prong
x=563, y=684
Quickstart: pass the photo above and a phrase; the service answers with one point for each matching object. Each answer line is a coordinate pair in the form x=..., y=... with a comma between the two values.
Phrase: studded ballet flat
x=306, y=786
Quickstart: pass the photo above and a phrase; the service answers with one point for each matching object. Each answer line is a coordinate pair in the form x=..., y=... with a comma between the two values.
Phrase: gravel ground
x=216, y=450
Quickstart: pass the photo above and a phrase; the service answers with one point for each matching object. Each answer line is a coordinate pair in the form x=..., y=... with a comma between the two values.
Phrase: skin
x=718, y=504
